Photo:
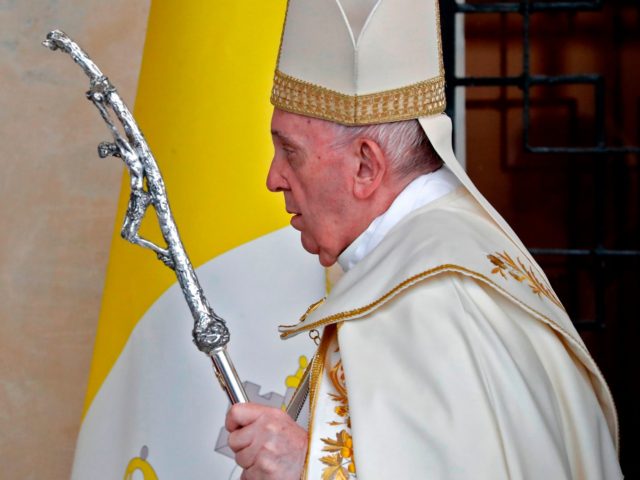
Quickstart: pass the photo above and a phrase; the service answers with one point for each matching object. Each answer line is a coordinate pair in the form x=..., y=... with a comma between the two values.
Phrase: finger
x=237, y=417
x=263, y=468
x=246, y=457
x=241, y=438
x=242, y=414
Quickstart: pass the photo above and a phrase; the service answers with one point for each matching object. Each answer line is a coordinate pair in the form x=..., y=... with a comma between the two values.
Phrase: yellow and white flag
x=154, y=409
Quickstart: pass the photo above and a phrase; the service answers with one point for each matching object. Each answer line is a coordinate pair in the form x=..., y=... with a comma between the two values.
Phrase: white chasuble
x=459, y=362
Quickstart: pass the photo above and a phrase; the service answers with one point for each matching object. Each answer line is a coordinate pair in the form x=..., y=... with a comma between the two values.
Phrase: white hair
x=405, y=143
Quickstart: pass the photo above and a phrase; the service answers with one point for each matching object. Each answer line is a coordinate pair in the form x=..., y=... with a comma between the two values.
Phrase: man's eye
x=291, y=154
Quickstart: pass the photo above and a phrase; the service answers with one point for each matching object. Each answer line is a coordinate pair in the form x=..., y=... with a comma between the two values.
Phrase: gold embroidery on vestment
x=315, y=371
x=447, y=267
x=340, y=462
x=340, y=465
x=516, y=269
x=312, y=308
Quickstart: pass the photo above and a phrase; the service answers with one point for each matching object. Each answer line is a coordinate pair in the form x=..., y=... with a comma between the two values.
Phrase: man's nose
x=275, y=181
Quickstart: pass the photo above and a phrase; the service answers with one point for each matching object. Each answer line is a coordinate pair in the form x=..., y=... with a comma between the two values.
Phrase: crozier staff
x=445, y=353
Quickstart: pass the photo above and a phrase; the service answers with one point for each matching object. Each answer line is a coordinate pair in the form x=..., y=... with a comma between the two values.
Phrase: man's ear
x=371, y=168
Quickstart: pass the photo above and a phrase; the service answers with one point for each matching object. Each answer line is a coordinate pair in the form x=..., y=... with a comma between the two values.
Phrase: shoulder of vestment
x=452, y=235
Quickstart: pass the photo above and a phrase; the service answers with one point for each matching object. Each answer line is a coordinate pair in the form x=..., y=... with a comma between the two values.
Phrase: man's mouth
x=295, y=220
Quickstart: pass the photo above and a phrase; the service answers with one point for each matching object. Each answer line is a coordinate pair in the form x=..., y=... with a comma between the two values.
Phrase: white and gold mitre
x=359, y=62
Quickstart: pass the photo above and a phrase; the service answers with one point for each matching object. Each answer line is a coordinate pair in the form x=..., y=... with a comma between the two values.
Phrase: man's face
x=314, y=178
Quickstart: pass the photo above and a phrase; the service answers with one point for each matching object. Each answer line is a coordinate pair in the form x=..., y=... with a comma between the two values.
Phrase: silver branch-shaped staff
x=210, y=333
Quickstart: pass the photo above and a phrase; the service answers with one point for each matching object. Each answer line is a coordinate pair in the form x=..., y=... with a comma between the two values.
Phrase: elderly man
x=444, y=352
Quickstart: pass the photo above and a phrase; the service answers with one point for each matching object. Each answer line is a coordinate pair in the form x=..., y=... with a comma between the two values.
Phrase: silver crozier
x=210, y=333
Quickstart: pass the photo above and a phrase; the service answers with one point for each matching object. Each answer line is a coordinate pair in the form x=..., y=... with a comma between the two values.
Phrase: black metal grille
x=525, y=81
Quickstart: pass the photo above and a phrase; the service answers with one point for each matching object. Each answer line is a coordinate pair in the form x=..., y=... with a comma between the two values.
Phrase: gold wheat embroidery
x=340, y=463
x=516, y=269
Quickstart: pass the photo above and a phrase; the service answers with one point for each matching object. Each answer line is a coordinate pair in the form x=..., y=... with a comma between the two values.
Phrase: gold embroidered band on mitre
x=412, y=101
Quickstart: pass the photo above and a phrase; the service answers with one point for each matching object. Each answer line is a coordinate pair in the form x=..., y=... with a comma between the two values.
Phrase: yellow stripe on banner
x=203, y=104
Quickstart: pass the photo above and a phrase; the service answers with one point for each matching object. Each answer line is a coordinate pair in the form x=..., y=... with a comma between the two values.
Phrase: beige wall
x=57, y=213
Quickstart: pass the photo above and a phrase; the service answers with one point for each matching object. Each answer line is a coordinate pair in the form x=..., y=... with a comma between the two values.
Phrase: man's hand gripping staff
x=210, y=333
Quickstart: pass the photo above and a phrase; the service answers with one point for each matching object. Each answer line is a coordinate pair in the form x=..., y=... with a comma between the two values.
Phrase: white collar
x=422, y=190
